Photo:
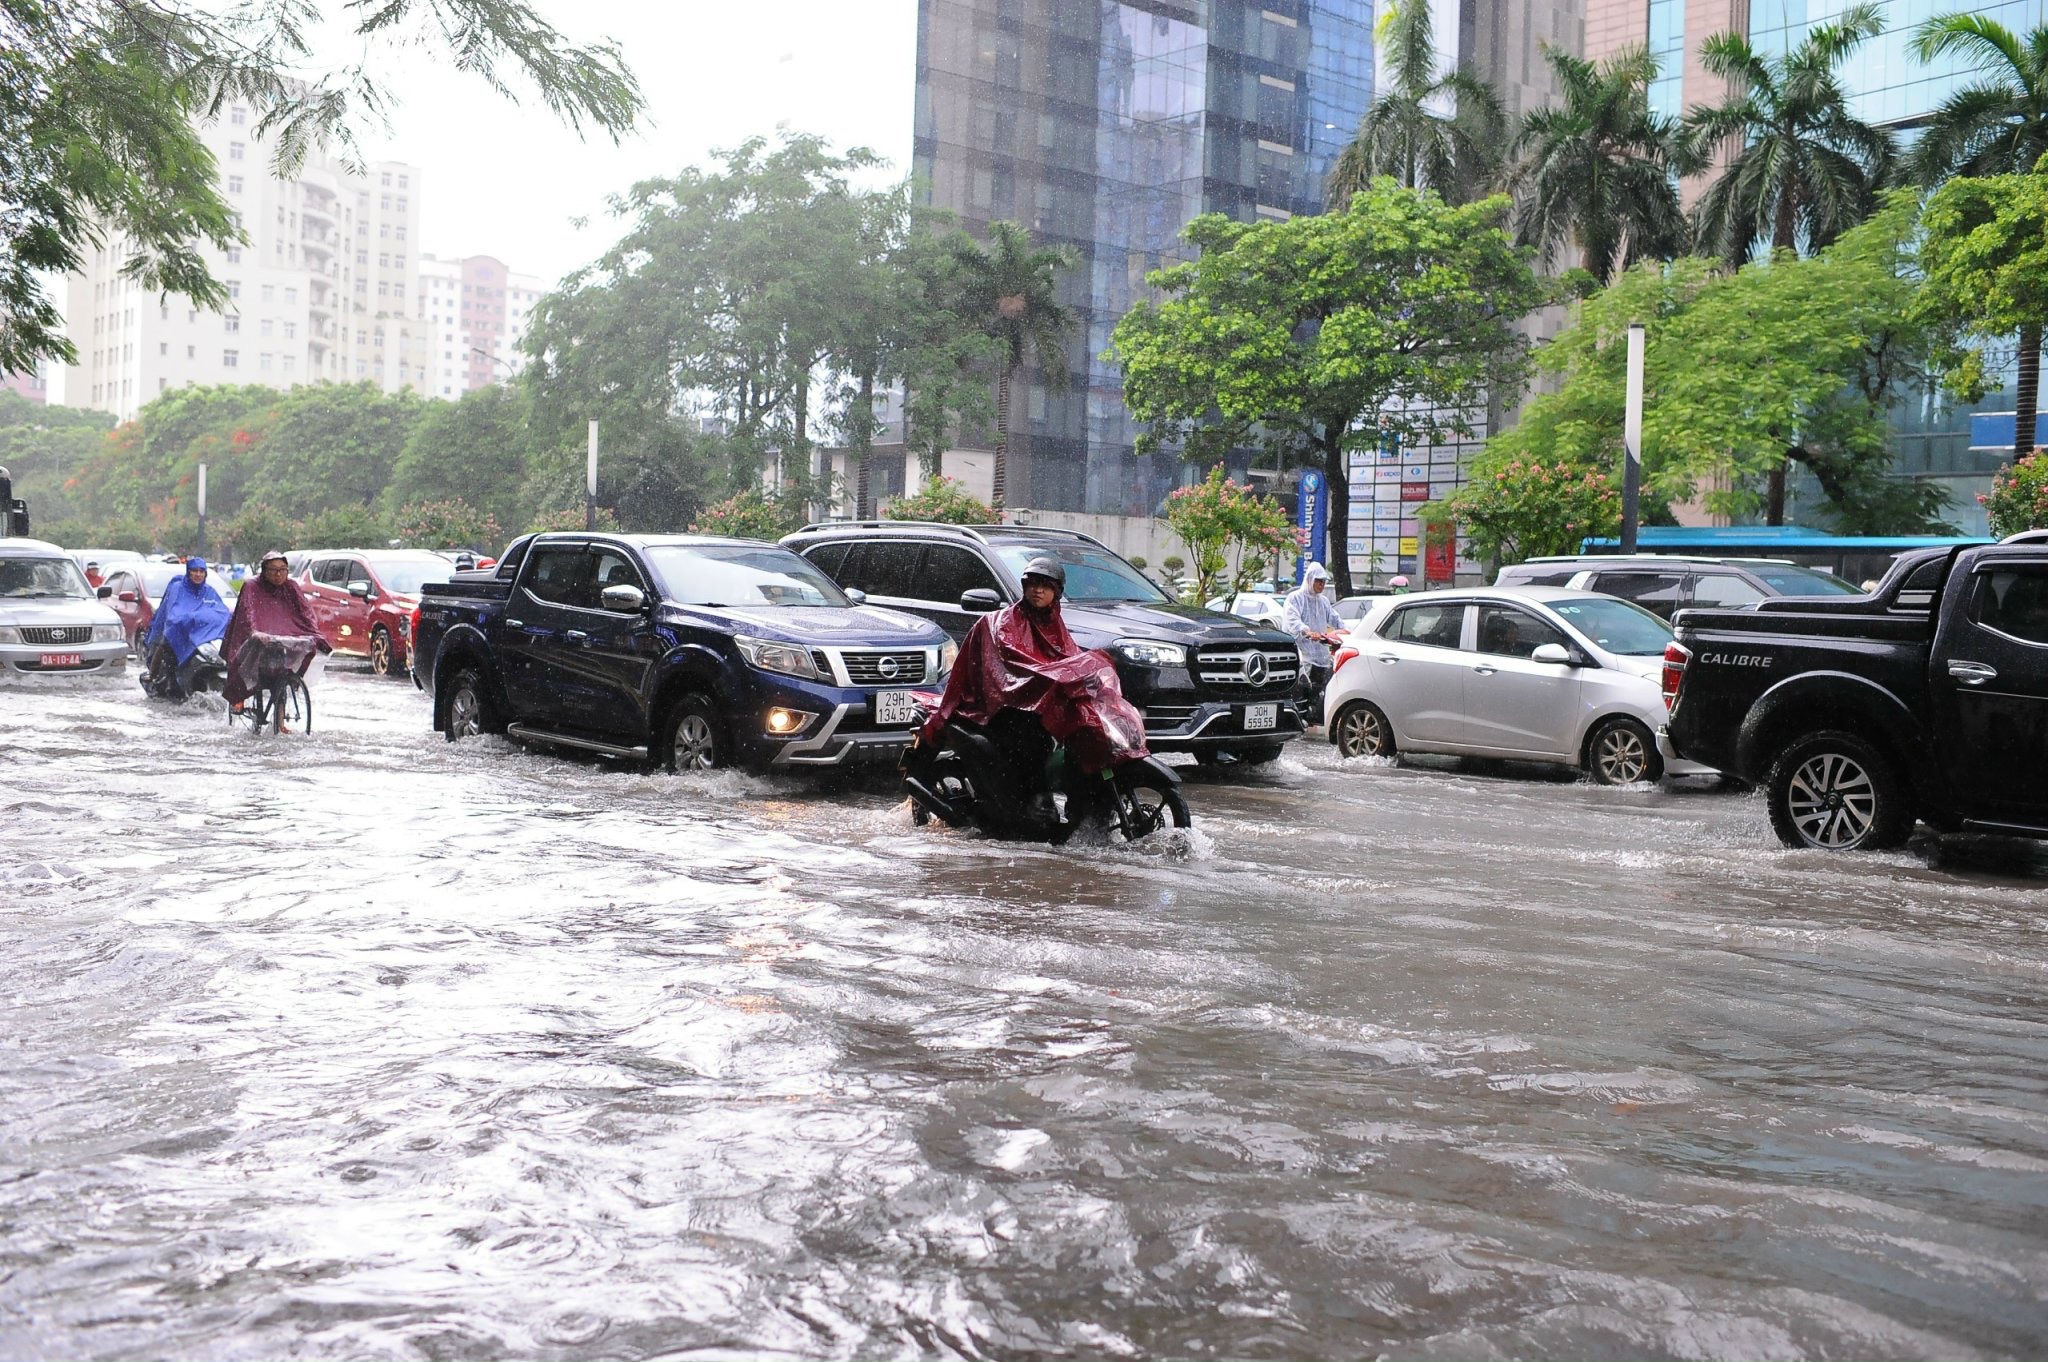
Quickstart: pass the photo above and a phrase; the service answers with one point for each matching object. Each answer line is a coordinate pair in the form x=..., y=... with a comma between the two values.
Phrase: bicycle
x=281, y=702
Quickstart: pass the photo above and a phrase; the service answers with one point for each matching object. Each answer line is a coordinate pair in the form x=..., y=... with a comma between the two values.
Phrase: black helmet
x=1048, y=568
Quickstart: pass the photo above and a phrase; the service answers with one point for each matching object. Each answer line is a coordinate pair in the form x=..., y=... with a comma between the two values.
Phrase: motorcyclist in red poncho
x=1021, y=676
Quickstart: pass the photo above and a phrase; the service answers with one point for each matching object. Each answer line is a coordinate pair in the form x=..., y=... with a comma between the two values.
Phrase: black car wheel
x=1362, y=730
x=691, y=738
x=1622, y=752
x=466, y=709
x=1837, y=792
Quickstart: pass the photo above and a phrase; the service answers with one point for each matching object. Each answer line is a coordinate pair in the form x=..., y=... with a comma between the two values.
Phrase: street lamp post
x=590, y=482
x=1632, y=441
x=201, y=549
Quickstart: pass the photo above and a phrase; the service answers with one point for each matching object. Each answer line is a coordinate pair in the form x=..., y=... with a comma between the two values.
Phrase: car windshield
x=24, y=578
x=1799, y=581
x=740, y=575
x=1092, y=574
x=406, y=579
x=1615, y=626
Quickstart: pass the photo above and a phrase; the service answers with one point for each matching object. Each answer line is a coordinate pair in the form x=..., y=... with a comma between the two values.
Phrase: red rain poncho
x=1024, y=659
x=277, y=611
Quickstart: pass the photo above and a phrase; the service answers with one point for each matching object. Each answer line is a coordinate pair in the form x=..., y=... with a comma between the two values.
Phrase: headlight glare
x=1151, y=652
x=949, y=653
x=787, y=658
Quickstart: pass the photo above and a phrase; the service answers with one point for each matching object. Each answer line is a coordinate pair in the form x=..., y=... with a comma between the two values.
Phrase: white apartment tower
x=473, y=314
x=319, y=292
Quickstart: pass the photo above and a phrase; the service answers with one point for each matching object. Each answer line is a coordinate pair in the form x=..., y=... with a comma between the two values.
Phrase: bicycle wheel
x=291, y=705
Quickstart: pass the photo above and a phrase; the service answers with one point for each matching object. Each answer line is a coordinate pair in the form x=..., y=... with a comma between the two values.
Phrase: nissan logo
x=887, y=667
x=1255, y=668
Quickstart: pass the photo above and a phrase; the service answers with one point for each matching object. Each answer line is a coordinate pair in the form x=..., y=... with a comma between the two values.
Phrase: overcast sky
x=507, y=180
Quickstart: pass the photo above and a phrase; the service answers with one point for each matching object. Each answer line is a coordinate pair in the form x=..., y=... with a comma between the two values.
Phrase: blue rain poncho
x=1311, y=612
x=188, y=617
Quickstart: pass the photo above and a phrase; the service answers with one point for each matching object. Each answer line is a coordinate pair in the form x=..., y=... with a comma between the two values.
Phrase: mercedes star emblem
x=1255, y=668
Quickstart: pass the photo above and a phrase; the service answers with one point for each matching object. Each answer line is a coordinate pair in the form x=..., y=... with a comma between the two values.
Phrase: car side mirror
x=126, y=597
x=105, y=592
x=623, y=599
x=360, y=590
x=856, y=595
x=1554, y=653
x=980, y=601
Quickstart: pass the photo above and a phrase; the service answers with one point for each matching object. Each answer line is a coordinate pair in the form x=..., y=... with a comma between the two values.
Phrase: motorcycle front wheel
x=1147, y=802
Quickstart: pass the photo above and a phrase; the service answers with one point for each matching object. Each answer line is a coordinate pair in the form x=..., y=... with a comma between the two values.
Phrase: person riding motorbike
x=189, y=620
x=272, y=626
x=1021, y=677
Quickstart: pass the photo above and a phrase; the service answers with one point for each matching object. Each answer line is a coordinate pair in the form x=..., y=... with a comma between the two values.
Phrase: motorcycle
x=1014, y=782
x=164, y=679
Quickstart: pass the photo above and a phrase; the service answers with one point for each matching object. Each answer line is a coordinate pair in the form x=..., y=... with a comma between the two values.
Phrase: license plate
x=63, y=659
x=895, y=707
x=1257, y=717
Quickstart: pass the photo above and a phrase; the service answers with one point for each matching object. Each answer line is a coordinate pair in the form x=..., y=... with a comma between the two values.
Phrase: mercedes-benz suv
x=1219, y=687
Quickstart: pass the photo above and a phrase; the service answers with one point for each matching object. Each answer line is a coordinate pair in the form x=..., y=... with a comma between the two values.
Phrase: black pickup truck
x=688, y=650
x=1926, y=699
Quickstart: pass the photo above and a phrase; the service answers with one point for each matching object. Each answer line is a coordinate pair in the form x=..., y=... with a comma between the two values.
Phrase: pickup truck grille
x=46, y=636
x=1246, y=670
x=864, y=668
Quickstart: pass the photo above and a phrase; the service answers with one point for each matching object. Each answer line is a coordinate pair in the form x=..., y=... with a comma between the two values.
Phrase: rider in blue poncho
x=190, y=616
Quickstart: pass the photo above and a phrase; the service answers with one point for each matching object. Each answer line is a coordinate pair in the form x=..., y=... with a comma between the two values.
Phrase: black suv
x=1666, y=584
x=1219, y=687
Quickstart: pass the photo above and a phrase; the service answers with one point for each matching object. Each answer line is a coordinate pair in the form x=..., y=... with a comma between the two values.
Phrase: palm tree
x=1407, y=135
x=1010, y=290
x=1804, y=167
x=1597, y=167
x=1998, y=126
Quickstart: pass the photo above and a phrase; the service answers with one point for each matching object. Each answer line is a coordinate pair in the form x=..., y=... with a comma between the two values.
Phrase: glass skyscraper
x=1105, y=125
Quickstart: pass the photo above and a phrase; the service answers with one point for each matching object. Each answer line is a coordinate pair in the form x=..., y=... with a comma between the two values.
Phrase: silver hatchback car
x=50, y=620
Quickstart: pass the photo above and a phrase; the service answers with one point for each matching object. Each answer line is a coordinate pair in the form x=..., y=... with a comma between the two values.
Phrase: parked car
x=690, y=650
x=362, y=599
x=1664, y=584
x=50, y=620
x=1260, y=607
x=1528, y=673
x=1219, y=687
x=1926, y=700
x=132, y=591
x=1351, y=609
x=103, y=560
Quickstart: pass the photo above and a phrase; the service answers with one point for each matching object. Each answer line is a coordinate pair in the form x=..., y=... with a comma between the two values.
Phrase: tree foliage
x=1407, y=132
x=943, y=500
x=1997, y=125
x=1399, y=312
x=1231, y=532
x=1519, y=508
x=99, y=100
x=450, y=524
x=1009, y=290
x=752, y=514
x=2018, y=499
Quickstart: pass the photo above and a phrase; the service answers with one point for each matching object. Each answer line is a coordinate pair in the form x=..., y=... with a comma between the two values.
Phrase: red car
x=133, y=590
x=363, y=599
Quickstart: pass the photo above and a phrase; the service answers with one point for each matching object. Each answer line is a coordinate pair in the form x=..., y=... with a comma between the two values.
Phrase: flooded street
x=367, y=1045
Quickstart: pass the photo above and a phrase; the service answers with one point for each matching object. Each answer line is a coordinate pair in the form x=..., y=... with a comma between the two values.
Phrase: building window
x=269, y=292
x=387, y=179
x=231, y=324
x=362, y=257
x=163, y=347
x=236, y=151
x=291, y=330
x=291, y=295
x=191, y=352
x=238, y=115
x=234, y=184
x=230, y=359
x=234, y=288
x=234, y=255
x=401, y=205
x=400, y=232
x=383, y=260
x=264, y=327
x=401, y=181
x=263, y=360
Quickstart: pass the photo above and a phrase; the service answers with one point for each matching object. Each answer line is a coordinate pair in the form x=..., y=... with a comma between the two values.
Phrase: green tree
x=1997, y=125
x=1010, y=289
x=1523, y=508
x=1985, y=256
x=476, y=450
x=255, y=529
x=752, y=514
x=1231, y=532
x=334, y=445
x=349, y=525
x=98, y=101
x=1406, y=134
x=44, y=448
x=943, y=500
x=1400, y=310
x=1596, y=167
x=450, y=524
x=1805, y=168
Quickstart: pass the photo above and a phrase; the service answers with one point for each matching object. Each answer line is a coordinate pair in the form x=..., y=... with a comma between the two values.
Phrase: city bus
x=1852, y=557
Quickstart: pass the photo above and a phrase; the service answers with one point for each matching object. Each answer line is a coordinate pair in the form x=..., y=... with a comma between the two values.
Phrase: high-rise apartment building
x=473, y=314
x=1105, y=125
x=1890, y=86
x=318, y=292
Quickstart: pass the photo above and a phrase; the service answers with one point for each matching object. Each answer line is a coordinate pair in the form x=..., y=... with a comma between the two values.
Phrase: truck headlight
x=786, y=658
x=9, y=635
x=109, y=633
x=1151, y=653
x=949, y=653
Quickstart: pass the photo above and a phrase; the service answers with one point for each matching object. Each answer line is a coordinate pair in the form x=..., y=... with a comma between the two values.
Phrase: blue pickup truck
x=686, y=650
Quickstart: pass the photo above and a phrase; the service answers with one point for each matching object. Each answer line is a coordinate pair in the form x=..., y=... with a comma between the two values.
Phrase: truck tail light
x=1675, y=658
x=1343, y=655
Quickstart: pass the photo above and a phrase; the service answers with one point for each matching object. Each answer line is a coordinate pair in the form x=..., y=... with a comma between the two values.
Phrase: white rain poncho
x=1311, y=612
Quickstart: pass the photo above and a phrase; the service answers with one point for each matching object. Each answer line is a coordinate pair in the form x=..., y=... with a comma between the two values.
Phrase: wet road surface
x=367, y=1045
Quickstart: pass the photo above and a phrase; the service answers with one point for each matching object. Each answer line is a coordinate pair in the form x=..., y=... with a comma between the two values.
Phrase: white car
x=1527, y=673
x=1261, y=607
x=50, y=620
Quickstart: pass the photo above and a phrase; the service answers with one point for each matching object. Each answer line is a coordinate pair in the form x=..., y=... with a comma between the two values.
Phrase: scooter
x=967, y=776
x=164, y=679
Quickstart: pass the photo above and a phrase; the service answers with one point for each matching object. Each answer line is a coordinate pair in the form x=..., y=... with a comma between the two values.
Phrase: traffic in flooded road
x=360, y=1043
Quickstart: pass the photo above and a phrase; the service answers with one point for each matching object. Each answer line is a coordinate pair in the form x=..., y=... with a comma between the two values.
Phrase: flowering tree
x=752, y=515
x=1225, y=526
x=1524, y=508
x=2019, y=496
x=943, y=500
x=451, y=524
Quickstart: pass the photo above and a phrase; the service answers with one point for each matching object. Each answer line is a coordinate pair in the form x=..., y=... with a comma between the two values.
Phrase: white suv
x=50, y=620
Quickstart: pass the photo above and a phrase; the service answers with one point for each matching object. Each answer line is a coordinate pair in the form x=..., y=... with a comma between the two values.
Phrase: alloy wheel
x=1361, y=733
x=380, y=653
x=465, y=713
x=695, y=746
x=1620, y=756
x=1832, y=800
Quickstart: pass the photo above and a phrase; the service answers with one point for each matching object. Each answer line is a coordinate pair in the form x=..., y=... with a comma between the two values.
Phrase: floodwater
x=366, y=1045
